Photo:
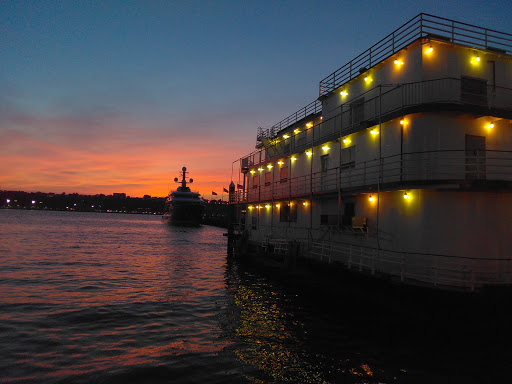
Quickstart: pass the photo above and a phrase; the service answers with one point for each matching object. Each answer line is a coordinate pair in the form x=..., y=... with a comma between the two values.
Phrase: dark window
x=348, y=214
x=268, y=178
x=255, y=181
x=288, y=213
x=348, y=157
x=254, y=222
x=325, y=162
x=473, y=91
x=357, y=111
x=283, y=174
x=475, y=157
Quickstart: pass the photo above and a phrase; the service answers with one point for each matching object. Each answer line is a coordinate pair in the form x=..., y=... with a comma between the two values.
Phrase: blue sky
x=115, y=96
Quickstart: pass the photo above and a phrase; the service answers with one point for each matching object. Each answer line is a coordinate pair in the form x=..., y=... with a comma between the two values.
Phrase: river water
x=113, y=298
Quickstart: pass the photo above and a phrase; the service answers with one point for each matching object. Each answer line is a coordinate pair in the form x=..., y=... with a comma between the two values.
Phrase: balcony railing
x=382, y=102
x=408, y=169
x=423, y=25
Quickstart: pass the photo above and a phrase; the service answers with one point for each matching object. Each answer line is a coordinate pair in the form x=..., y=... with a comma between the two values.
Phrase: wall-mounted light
x=267, y=206
x=371, y=198
x=402, y=122
x=293, y=158
x=280, y=162
x=325, y=147
x=347, y=141
x=260, y=169
x=406, y=196
x=304, y=203
x=277, y=205
x=368, y=79
x=309, y=125
x=343, y=93
x=309, y=152
x=286, y=136
x=430, y=49
x=475, y=59
x=399, y=62
x=374, y=132
x=296, y=130
x=490, y=126
x=250, y=207
x=252, y=171
x=269, y=166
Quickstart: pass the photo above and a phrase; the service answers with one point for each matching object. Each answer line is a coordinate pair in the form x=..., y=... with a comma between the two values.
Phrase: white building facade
x=402, y=167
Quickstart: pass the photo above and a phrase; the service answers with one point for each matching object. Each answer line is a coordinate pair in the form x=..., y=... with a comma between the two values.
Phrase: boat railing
x=421, y=26
x=409, y=169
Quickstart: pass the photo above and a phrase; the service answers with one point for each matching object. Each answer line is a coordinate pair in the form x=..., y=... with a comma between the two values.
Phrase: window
x=473, y=90
x=254, y=222
x=325, y=162
x=255, y=181
x=348, y=214
x=348, y=157
x=268, y=178
x=288, y=213
x=283, y=174
x=475, y=157
x=357, y=111
x=328, y=219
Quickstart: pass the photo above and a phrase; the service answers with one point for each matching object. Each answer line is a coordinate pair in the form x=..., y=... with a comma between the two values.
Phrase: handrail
x=422, y=25
x=408, y=168
x=394, y=98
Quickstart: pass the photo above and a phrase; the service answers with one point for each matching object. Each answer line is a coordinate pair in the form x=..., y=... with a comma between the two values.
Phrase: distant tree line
x=118, y=202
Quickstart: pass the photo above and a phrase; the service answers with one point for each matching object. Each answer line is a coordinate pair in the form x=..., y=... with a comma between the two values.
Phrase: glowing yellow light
x=475, y=59
x=429, y=50
x=309, y=153
x=252, y=171
x=309, y=125
x=293, y=158
x=304, y=203
x=277, y=205
x=371, y=198
x=296, y=130
x=374, y=132
x=347, y=141
x=258, y=206
x=321, y=117
x=269, y=166
x=368, y=79
x=260, y=169
x=280, y=162
x=286, y=136
x=402, y=122
x=325, y=148
x=399, y=62
x=267, y=206
x=406, y=196
x=490, y=126
x=343, y=93
x=250, y=207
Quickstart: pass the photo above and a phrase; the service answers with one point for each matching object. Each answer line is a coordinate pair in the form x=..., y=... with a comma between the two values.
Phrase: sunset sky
x=117, y=96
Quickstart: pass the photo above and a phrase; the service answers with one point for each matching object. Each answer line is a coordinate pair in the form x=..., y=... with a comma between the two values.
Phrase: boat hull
x=189, y=215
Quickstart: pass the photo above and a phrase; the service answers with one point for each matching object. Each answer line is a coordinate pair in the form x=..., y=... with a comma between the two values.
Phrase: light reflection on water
x=120, y=298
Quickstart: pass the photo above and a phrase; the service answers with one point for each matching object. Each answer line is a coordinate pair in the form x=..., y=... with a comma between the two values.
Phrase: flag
x=240, y=186
x=225, y=190
x=214, y=193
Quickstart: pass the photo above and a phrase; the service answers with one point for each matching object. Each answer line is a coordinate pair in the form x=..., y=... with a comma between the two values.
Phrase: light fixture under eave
x=285, y=136
x=368, y=79
x=374, y=132
x=399, y=62
x=371, y=198
x=402, y=122
x=343, y=93
x=277, y=205
x=252, y=171
x=267, y=206
x=280, y=162
x=325, y=148
x=260, y=169
x=304, y=203
x=430, y=49
x=490, y=126
x=309, y=153
x=269, y=166
x=296, y=130
x=293, y=158
x=309, y=125
x=347, y=141
x=406, y=196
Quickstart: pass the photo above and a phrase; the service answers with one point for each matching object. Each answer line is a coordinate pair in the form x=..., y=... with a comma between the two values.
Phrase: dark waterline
x=105, y=298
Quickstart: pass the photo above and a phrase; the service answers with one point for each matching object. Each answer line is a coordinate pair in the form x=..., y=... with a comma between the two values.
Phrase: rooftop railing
x=423, y=25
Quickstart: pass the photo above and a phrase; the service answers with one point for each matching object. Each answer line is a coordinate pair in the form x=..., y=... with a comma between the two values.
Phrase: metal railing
x=379, y=103
x=413, y=168
x=423, y=25
x=312, y=108
x=431, y=269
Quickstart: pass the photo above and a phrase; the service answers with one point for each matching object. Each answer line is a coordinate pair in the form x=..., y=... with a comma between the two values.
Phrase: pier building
x=401, y=168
